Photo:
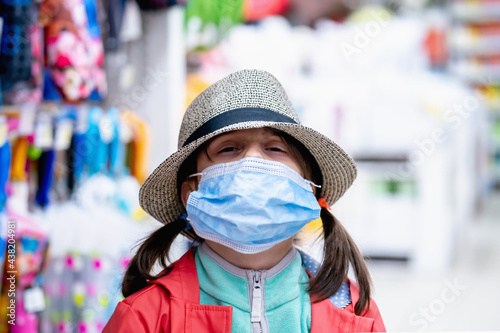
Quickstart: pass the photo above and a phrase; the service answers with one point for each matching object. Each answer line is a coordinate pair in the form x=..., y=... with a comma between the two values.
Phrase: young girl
x=246, y=178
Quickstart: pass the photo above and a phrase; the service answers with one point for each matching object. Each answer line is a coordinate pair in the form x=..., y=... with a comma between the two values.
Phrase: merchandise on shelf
x=25, y=256
x=475, y=46
x=74, y=53
x=76, y=207
x=61, y=146
x=82, y=291
x=21, y=53
x=207, y=21
x=5, y=157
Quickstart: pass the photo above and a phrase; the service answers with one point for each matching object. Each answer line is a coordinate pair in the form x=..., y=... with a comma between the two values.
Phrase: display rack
x=475, y=52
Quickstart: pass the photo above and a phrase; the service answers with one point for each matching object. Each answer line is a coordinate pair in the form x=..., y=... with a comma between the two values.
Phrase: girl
x=246, y=178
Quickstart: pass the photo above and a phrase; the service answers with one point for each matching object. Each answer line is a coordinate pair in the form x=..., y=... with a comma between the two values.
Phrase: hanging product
x=19, y=158
x=81, y=292
x=435, y=43
x=3, y=243
x=98, y=134
x=139, y=146
x=27, y=250
x=209, y=20
x=74, y=51
x=45, y=175
x=65, y=145
x=80, y=289
x=43, y=140
x=159, y=4
x=63, y=130
x=116, y=149
x=82, y=279
x=115, y=10
x=255, y=10
x=5, y=156
x=75, y=159
x=21, y=52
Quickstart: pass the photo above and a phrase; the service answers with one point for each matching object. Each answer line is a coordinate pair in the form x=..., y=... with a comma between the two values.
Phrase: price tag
x=106, y=129
x=125, y=132
x=43, y=134
x=127, y=76
x=34, y=299
x=27, y=119
x=131, y=26
x=64, y=132
x=3, y=130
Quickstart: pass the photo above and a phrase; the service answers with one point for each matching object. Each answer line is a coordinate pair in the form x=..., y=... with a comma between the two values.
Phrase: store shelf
x=476, y=73
x=475, y=11
x=474, y=43
x=467, y=42
x=408, y=207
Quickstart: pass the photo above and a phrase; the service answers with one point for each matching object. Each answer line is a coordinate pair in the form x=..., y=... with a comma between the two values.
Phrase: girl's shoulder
x=149, y=307
x=152, y=293
x=141, y=311
x=342, y=298
x=172, y=283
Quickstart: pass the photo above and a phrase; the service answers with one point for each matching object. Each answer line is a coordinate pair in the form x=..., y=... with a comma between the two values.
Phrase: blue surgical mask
x=251, y=204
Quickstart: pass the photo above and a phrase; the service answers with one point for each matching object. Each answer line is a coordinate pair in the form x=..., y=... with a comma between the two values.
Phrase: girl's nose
x=254, y=151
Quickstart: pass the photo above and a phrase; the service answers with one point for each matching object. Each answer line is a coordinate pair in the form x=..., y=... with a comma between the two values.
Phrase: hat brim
x=159, y=197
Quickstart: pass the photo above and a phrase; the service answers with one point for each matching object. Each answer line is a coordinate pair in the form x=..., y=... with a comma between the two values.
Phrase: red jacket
x=172, y=304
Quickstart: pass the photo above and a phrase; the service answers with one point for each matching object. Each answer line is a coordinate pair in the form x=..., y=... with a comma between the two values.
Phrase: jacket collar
x=184, y=294
x=183, y=277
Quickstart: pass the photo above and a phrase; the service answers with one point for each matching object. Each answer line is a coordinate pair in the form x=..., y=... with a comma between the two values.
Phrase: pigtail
x=339, y=251
x=155, y=247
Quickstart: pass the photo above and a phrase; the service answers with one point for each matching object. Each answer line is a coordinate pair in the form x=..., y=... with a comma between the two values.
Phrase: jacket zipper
x=257, y=317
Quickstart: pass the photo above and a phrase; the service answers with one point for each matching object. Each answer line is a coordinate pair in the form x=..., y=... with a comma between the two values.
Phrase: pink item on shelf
x=124, y=262
x=62, y=289
x=63, y=327
x=28, y=90
x=99, y=326
x=82, y=327
x=92, y=290
x=69, y=261
x=96, y=264
x=25, y=322
x=74, y=57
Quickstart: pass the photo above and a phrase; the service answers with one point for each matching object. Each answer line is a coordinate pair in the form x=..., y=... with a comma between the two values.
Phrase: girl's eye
x=227, y=149
x=276, y=149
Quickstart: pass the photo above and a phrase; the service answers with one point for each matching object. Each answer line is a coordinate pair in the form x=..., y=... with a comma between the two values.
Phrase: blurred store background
x=93, y=92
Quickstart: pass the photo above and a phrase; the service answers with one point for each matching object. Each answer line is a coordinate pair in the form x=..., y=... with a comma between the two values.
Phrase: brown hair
x=339, y=250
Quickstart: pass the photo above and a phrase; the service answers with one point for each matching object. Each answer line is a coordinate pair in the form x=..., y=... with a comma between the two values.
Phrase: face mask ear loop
x=195, y=174
x=312, y=184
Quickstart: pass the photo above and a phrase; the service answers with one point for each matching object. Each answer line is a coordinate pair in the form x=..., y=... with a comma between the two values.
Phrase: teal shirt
x=285, y=300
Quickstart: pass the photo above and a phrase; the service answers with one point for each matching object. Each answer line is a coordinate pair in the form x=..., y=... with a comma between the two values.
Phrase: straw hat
x=242, y=100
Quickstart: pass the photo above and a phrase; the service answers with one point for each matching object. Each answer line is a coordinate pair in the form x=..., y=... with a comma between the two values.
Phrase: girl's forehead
x=261, y=131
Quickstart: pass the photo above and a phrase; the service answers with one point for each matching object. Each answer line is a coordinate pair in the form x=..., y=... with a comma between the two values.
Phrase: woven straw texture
x=244, y=89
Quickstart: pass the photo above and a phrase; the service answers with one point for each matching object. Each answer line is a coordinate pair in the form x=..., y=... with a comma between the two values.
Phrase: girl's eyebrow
x=219, y=139
x=237, y=135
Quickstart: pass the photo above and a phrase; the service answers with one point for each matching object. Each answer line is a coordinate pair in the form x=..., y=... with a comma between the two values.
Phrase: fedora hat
x=242, y=100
